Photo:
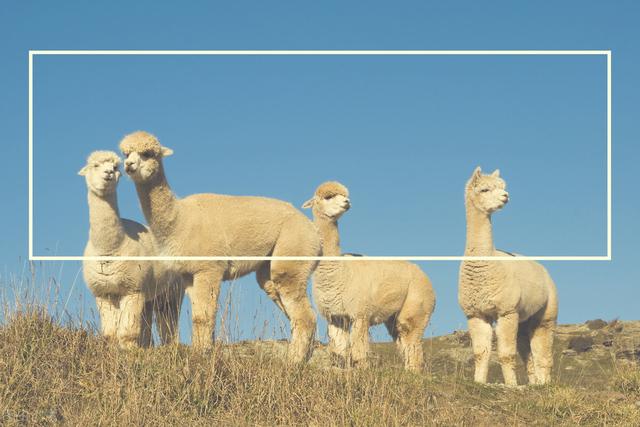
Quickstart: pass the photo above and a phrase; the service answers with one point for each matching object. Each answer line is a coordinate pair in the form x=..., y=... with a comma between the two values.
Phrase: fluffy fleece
x=355, y=295
x=221, y=225
x=127, y=292
x=518, y=295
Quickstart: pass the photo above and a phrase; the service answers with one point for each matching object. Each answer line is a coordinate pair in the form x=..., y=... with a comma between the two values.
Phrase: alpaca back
x=376, y=289
x=221, y=225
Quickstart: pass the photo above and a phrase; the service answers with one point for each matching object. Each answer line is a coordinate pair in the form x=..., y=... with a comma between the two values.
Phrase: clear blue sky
x=403, y=133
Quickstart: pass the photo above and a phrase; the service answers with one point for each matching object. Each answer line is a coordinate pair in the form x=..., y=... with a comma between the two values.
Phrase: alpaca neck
x=158, y=205
x=479, y=232
x=105, y=228
x=328, y=277
x=329, y=234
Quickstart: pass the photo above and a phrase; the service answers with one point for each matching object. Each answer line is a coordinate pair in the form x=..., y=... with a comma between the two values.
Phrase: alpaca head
x=102, y=172
x=487, y=193
x=143, y=156
x=331, y=200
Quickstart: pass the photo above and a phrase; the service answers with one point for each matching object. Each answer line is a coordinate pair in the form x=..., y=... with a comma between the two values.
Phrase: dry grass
x=52, y=374
x=627, y=380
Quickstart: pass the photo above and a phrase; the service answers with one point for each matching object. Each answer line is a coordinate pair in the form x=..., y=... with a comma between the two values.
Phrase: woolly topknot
x=330, y=189
x=478, y=179
x=140, y=142
x=103, y=156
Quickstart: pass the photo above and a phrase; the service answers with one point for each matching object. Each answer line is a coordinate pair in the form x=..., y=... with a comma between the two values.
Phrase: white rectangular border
x=32, y=53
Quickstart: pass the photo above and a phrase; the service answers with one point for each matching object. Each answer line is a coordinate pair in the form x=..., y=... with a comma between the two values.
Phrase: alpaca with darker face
x=355, y=294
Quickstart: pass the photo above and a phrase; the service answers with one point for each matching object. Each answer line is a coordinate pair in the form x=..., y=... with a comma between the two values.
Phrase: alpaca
x=518, y=295
x=127, y=292
x=358, y=294
x=222, y=225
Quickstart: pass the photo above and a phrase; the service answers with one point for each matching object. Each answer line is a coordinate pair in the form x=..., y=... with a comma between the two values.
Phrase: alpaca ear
x=308, y=204
x=496, y=173
x=83, y=171
x=477, y=172
x=166, y=151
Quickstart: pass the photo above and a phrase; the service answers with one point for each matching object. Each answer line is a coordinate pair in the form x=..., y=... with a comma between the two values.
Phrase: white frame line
x=606, y=257
x=320, y=258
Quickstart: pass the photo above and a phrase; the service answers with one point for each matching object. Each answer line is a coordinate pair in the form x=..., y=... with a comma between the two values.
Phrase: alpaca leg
x=507, y=334
x=409, y=332
x=203, y=294
x=542, y=350
x=146, y=337
x=130, y=325
x=263, y=276
x=290, y=282
x=542, y=337
x=411, y=322
x=338, y=329
x=481, y=334
x=524, y=349
x=360, y=343
x=167, y=310
x=303, y=322
x=411, y=345
x=109, y=314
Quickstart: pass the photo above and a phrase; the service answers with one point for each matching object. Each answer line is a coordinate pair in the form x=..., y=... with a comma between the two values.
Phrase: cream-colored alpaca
x=221, y=225
x=357, y=294
x=518, y=295
x=127, y=292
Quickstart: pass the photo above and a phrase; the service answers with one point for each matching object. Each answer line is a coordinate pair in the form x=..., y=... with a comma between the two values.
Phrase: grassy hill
x=55, y=375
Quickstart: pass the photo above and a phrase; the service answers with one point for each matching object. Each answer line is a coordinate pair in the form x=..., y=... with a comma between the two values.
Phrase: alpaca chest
x=329, y=301
x=475, y=302
x=113, y=277
x=479, y=291
x=327, y=290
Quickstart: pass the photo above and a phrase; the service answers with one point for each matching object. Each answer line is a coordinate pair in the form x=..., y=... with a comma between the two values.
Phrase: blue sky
x=403, y=133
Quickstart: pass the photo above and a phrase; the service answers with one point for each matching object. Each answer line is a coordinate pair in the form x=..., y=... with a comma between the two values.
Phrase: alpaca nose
x=129, y=165
x=506, y=196
x=347, y=203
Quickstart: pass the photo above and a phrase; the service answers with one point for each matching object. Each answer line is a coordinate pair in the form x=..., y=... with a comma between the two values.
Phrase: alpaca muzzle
x=130, y=168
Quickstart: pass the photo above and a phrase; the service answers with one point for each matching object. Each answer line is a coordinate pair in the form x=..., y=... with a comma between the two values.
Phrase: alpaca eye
x=329, y=197
x=484, y=190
